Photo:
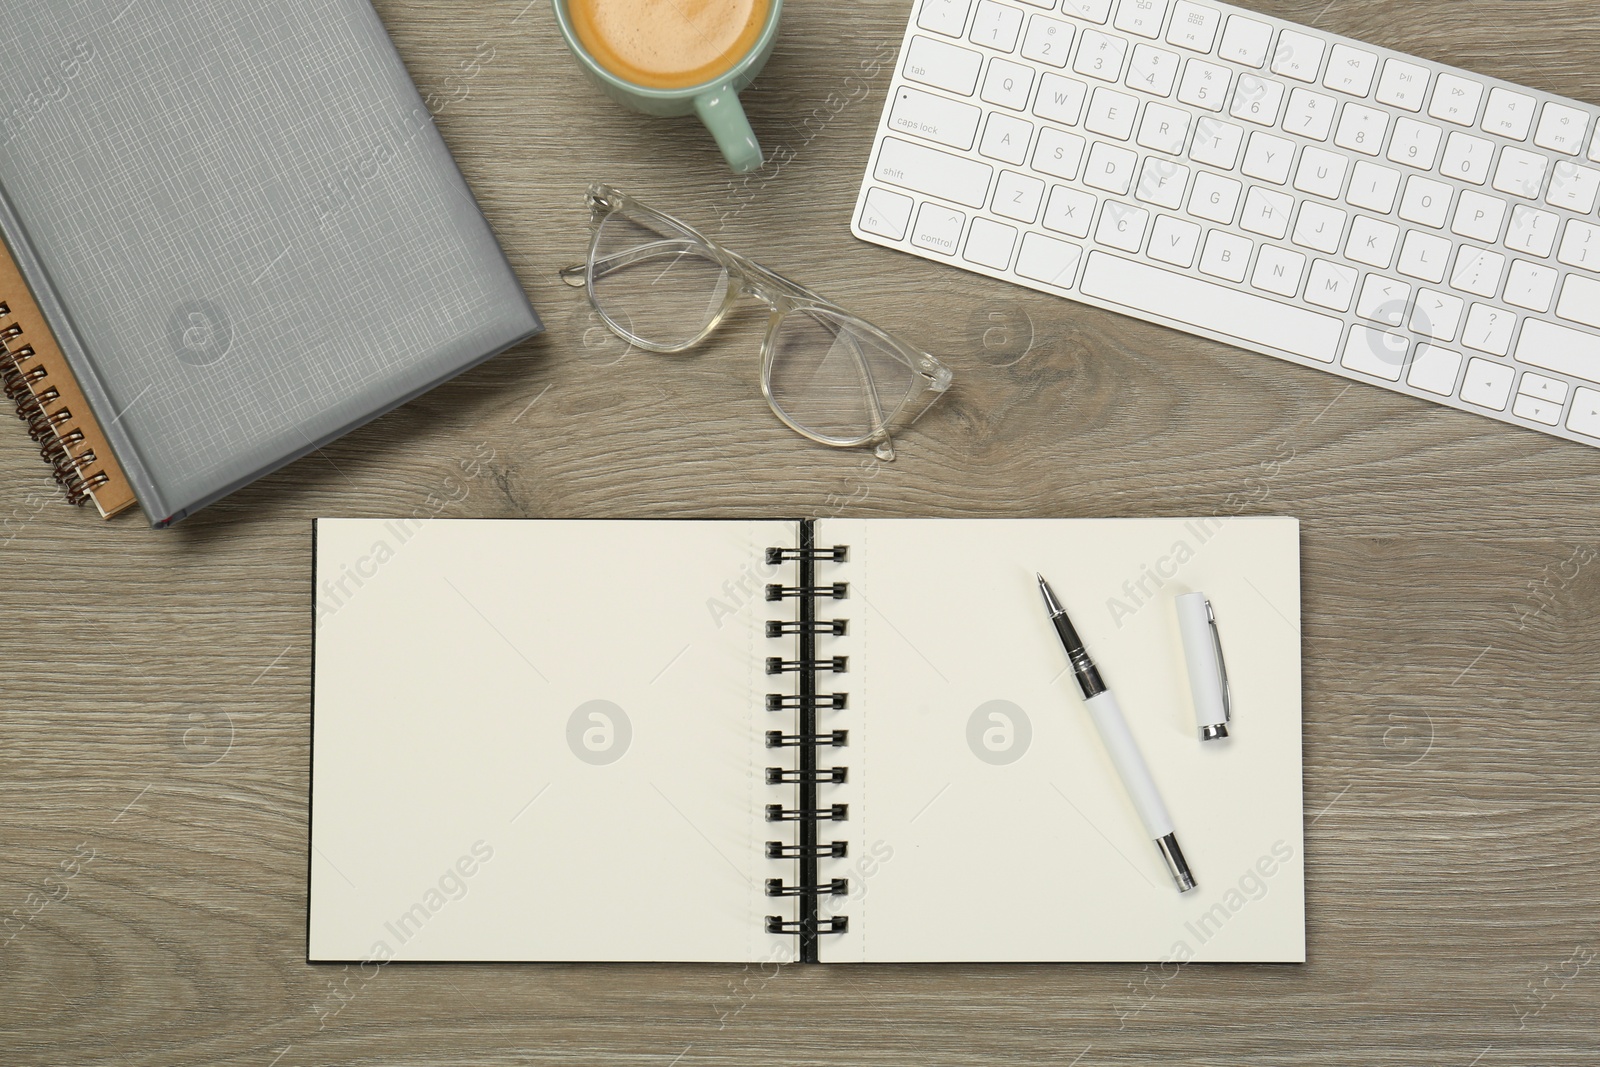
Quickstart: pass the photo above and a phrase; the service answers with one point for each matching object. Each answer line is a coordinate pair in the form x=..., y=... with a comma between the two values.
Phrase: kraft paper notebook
x=843, y=740
x=234, y=235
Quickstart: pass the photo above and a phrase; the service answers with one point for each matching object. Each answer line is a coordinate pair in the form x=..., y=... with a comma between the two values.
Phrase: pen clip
x=1222, y=664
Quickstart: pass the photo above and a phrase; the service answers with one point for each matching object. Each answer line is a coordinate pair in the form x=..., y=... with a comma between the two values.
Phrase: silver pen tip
x=1051, y=604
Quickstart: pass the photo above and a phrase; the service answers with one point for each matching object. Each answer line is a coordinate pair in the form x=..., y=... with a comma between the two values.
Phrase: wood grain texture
x=154, y=685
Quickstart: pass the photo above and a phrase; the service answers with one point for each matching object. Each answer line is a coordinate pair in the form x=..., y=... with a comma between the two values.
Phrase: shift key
x=933, y=173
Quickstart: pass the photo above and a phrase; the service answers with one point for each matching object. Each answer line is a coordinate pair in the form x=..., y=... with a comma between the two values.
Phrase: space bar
x=1216, y=308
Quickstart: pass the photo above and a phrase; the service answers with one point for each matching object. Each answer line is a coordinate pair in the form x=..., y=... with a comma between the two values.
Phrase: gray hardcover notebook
x=241, y=234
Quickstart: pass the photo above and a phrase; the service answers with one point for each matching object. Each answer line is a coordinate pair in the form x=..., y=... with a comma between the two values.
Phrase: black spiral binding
x=807, y=813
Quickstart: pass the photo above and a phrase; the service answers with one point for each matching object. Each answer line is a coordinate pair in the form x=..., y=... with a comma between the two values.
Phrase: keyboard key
x=1361, y=129
x=1319, y=227
x=1110, y=168
x=1058, y=153
x=1561, y=349
x=1278, y=270
x=1069, y=211
x=1532, y=231
x=1534, y=410
x=886, y=214
x=1331, y=285
x=1227, y=255
x=1424, y=256
x=989, y=244
x=1580, y=246
x=1509, y=114
x=1478, y=216
x=1018, y=196
x=1584, y=417
x=1246, y=41
x=938, y=228
x=1550, y=390
x=1436, y=315
x=1204, y=85
x=1415, y=144
x=1456, y=99
x=1573, y=187
x=1530, y=286
x=1467, y=158
x=1164, y=129
x=1521, y=173
x=1122, y=226
x=1350, y=70
x=1216, y=143
x=1100, y=56
x=996, y=26
x=1006, y=138
x=1162, y=183
x=1383, y=300
x=1096, y=11
x=1060, y=99
x=1152, y=70
x=1487, y=384
x=1403, y=85
x=1142, y=17
x=1048, y=41
x=1044, y=259
x=948, y=17
x=935, y=173
x=1215, y=198
x=1477, y=271
x=1321, y=172
x=1268, y=158
x=1299, y=56
x=1580, y=301
x=1489, y=329
x=1257, y=100
x=1425, y=201
x=1214, y=308
x=1193, y=26
x=1381, y=353
x=1372, y=242
x=938, y=118
x=943, y=66
x=1174, y=241
x=1309, y=114
x=1373, y=187
x=1111, y=113
x=1435, y=369
x=1561, y=128
x=1267, y=212
x=1007, y=84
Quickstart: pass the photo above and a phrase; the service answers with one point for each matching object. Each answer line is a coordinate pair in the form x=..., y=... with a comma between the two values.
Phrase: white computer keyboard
x=1243, y=178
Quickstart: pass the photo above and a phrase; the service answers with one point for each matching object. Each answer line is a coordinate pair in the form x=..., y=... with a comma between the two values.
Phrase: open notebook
x=561, y=740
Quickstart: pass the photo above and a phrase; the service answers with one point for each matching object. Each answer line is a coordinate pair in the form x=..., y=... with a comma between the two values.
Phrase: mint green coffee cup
x=716, y=101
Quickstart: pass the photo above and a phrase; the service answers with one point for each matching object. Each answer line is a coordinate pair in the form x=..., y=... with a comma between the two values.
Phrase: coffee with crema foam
x=668, y=44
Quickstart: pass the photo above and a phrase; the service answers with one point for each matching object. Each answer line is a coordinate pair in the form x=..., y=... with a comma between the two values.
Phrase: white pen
x=1119, y=743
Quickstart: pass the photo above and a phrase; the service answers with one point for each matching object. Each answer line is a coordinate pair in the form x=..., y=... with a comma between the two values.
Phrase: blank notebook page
x=472, y=679
x=986, y=820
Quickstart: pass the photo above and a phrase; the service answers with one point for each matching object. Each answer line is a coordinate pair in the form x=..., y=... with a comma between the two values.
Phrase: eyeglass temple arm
x=576, y=274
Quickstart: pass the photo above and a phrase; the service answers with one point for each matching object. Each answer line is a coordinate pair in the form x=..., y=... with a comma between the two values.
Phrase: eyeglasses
x=836, y=378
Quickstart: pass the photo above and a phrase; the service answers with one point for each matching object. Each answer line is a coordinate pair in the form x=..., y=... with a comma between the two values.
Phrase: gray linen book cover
x=243, y=228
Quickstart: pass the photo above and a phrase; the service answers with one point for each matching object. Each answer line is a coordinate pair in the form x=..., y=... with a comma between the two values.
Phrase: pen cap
x=1208, y=675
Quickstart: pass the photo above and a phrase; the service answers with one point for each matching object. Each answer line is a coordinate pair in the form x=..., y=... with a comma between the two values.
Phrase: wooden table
x=154, y=685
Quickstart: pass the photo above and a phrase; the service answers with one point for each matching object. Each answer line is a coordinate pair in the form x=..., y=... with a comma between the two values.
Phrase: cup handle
x=723, y=115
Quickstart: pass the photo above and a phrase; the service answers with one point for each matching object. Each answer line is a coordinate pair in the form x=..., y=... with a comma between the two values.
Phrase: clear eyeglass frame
x=895, y=382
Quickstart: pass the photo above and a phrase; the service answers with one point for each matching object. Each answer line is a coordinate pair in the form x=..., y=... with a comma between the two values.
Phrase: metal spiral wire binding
x=806, y=812
x=18, y=379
